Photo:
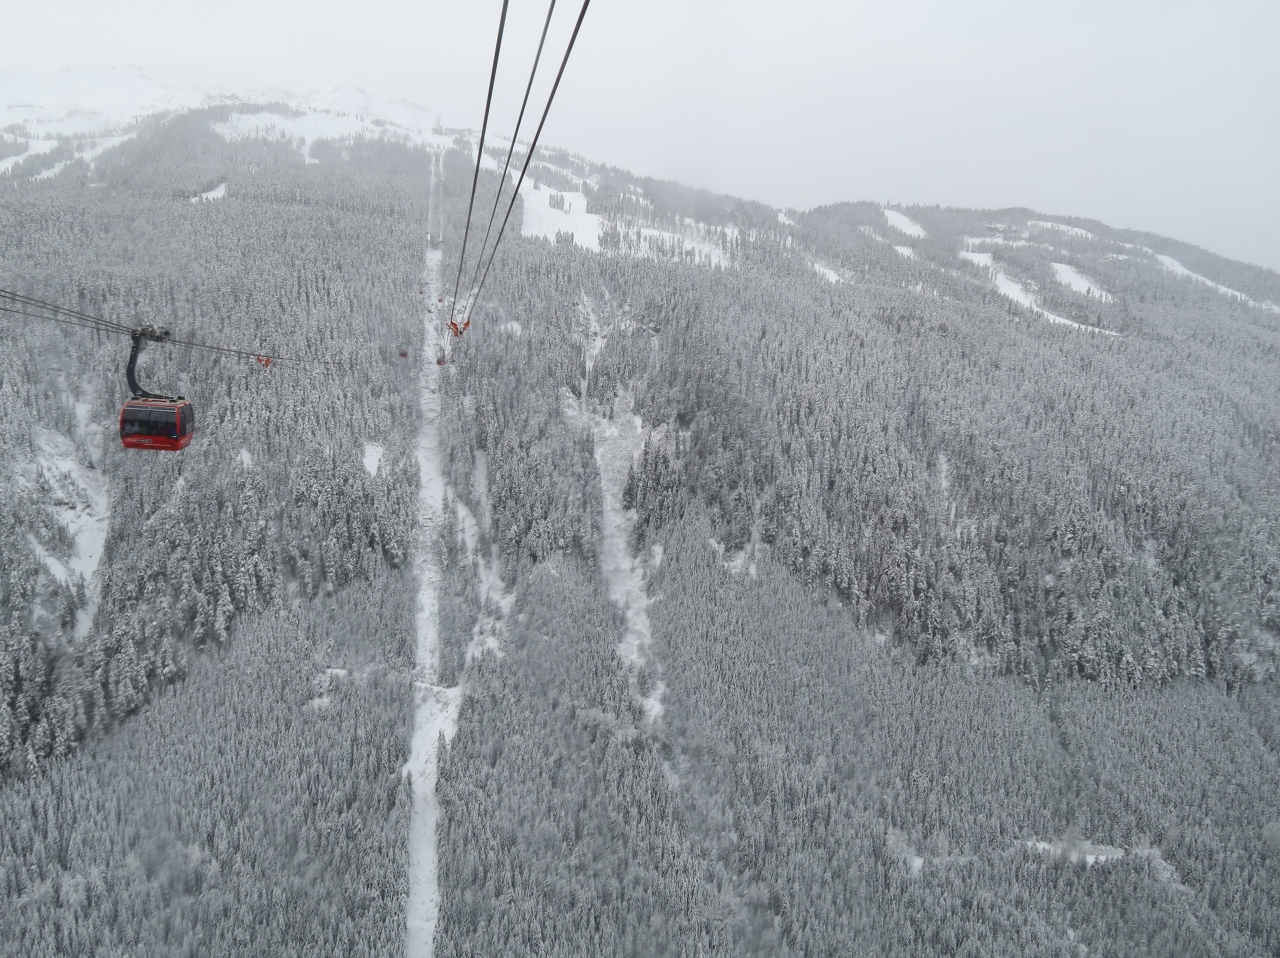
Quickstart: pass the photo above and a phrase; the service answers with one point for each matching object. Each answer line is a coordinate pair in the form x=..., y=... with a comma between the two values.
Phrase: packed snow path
x=436, y=707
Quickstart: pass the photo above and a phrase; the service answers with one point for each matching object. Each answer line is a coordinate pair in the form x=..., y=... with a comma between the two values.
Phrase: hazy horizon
x=1148, y=116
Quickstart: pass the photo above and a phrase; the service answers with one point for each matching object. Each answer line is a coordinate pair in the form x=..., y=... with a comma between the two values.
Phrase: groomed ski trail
x=436, y=707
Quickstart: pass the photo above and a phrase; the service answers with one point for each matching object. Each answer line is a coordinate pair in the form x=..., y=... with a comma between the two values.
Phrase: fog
x=1153, y=115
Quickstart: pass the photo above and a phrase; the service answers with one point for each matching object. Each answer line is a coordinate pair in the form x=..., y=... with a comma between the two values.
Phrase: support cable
x=502, y=180
x=71, y=317
x=475, y=179
x=528, y=158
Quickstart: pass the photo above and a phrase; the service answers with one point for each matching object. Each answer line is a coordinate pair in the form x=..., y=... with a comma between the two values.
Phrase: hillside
x=852, y=580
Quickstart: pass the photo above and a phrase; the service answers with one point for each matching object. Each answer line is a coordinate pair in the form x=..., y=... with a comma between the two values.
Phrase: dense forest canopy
x=843, y=581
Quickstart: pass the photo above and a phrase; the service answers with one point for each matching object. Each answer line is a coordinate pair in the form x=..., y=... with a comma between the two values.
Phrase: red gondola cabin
x=160, y=424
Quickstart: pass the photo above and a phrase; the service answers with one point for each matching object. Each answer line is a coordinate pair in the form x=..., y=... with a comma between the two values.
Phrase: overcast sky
x=1154, y=114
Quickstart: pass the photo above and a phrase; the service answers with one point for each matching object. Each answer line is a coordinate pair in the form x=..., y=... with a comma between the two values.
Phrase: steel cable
x=529, y=157
x=502, y=180
x=475, y=179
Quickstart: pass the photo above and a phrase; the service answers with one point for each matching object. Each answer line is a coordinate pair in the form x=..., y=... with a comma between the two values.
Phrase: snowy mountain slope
x=714, y=579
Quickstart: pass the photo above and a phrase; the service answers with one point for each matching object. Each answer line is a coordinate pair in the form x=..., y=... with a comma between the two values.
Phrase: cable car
x=150, y=420
x=162, y=424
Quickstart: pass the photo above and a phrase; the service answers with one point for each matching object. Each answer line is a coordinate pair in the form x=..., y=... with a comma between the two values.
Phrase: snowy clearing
x=1068, y=276
x=666, y=246
x=1019, y=294
x=902, y=224
x=217, y=193
x=102, y=145
x=785, y=220
x=619, y=442
x=372, y=457
x=830, y=275
x=1173, y=266
x=906, y=251
x=1062, y=228
x=1077, y=851
x=436, y=710
x=308, y=127
x=80, y=500
x=1002, y=241
x=979, y=259
x=51, y=172
x=699, y=244
x=544, y=220
x=34, y=148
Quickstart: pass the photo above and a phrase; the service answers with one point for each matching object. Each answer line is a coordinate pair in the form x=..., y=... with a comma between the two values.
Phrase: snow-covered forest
x=844, y=581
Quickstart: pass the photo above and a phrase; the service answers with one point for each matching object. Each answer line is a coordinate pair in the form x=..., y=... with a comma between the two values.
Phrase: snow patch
x=1076, y=851
x=698, y=245
x=246, y=460
x=1173, y=266
x=900, y=848
x=830, y=275
x=436, y=707
x=51, y=172
x=785, y=220
x=1019, y=294
x=906, y=251
x=619, y=442
x=217, y=193
x=979, y=259
x=372, y=458
x=1062, y=228
x=1068, y=276
x=34, y=148
x=305, y=128
x=80, y=500
x=902, y=224
x=547, y=221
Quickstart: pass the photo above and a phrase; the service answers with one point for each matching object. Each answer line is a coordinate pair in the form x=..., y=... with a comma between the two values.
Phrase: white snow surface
x=1173, y=266
x=437, y=707
x=1069, y=276
x=785, y=220
x=830, y=275
x=540, y=219
x=697, y=243
x=1019, y=294
x=90, y=100
x=902, y=224
x=372, y=457
x=305, y=129
x=34, y=148
x=981, y=259
x=217, y=193
x=80, y=500
x=619, y=441
x=1062, y=228
x=51, y=171
x=1077, y=851
x=906, y=251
